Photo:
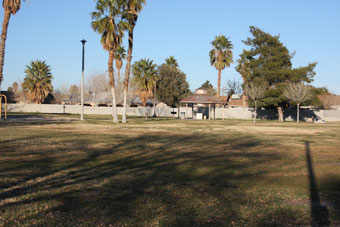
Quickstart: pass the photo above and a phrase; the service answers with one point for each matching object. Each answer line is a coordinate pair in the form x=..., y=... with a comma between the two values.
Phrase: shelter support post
x=186, y=111
x=5, y=106
x=214, y=110
x=179, y=108
x=192, y=111
x=209, y=110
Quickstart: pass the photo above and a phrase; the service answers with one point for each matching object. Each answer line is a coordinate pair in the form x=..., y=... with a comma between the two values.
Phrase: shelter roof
x=235, y=102
x=330, y=100
x=202, y=99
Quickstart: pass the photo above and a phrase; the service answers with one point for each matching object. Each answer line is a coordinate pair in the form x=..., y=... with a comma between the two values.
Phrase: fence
x=235, y=113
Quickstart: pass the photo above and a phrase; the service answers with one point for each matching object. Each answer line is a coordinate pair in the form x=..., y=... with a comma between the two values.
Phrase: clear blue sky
x=51, y=30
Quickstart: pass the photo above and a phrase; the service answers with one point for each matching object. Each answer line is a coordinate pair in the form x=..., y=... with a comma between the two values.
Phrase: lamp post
x=82, y=81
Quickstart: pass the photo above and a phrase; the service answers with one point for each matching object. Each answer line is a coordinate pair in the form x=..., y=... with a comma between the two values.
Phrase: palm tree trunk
x=219, y=83
x=244, y=99
x=119, y=84
x=118, y=76
x=114, y=105
x=113, y=87
x=255, y=113
x=154, y=101
x=298, y=113
x=127, y=72
x=7, y=16
x=280, y=111
x=244, y=93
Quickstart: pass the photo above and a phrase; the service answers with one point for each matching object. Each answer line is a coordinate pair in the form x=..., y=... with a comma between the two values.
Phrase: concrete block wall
x=76, y=109
x=228, y=113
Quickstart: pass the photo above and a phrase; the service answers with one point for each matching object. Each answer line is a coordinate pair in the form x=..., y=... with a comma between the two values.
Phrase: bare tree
x=98, y=87
x=74, y=94
x=298, y=93
x=15, y=87
x=61, y=94
x=255, y=90
x=232, y=87
x=18, y=93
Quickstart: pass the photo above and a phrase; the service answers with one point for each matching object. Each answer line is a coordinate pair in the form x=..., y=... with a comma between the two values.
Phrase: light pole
x=82, y=81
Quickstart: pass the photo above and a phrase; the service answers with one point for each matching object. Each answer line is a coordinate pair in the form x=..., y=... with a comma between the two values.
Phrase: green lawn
x=164, y=172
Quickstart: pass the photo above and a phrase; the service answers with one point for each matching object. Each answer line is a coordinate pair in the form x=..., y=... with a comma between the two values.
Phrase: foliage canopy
x=172, y=85
x=171, y=61
x=38, y=81
x=221, y=56
x=10, y=7
x=144, y=77
x=298, y=93
x=208, y=87
x=270, y=61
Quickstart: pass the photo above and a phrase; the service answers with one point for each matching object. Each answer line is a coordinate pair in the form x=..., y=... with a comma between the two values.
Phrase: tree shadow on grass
x=172, y=180
x=34, y=120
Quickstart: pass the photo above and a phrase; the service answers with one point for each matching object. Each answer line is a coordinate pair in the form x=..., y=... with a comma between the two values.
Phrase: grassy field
x=58, y=171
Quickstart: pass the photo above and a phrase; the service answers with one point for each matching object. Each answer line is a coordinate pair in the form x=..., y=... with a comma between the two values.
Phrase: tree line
x=266, y=66
x=269, y=78
x=165, y=82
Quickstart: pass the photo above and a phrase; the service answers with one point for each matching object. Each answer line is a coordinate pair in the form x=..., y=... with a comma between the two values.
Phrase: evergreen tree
x=208, y=87
x=172, y=85
x=269, y=60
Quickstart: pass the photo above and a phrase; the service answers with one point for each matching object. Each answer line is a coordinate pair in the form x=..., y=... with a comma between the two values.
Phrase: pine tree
x=269, y=60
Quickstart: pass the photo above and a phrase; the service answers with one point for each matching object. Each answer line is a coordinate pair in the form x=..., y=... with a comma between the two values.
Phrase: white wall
x=236, y=113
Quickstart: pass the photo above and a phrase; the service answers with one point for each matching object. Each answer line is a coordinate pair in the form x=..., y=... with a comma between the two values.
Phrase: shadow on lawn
x=319, y=212
x=331, y=192
x=171, y=180
x=30, y=120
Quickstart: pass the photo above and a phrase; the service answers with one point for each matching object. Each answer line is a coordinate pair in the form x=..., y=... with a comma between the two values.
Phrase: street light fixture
x=82, y=81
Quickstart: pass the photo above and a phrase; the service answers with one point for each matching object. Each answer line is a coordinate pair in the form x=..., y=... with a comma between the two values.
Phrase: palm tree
x=171, y=61
x=120, y=54
x=105, y=21
x=244, y=69
x=10, y=7
x=37, y=83
x=144, y=77
x=131, y=9
x=221, y=56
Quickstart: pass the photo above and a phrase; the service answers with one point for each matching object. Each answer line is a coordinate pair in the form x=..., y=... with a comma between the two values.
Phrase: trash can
x=199, y=116
x=183, y=115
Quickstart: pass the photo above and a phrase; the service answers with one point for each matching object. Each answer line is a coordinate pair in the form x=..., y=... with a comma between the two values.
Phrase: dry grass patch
x=168, y=173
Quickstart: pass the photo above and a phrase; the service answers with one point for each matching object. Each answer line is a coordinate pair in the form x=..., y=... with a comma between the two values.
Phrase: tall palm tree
x=120, y=54
x=131, y=9
x=37, y=83
x=106, y=21
x=10, y=7
x=221, y=56
x=171, y=61
x=144, y=77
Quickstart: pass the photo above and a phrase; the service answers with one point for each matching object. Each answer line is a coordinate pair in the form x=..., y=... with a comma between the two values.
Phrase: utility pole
x=82, y=81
